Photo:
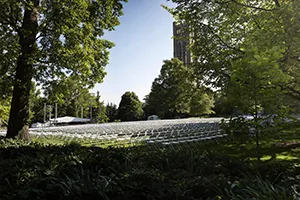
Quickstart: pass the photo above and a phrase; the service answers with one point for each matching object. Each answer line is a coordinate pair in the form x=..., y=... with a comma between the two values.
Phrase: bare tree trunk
x=19, y=112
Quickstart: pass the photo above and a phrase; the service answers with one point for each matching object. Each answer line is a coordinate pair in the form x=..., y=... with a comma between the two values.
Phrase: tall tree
x=70, y=97
x=250, y=45
x=223, y=105
x=50, y=40
x=99, y=110
x=201, y=103
x=170, y=90
x=249, y=49
x=175, y=94
x=112, y=112
x=130, y=107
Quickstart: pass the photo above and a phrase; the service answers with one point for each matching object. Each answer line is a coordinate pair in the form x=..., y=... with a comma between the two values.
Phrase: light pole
x=55, y=116
x=45, y=112
x=91, y=112
x=91, y=107
x=49, y=112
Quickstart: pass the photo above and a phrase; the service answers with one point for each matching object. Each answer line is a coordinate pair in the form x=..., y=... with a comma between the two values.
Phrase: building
x=181, y=43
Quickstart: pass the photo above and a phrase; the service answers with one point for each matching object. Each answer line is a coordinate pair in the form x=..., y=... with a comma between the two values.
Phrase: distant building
x=181, y=42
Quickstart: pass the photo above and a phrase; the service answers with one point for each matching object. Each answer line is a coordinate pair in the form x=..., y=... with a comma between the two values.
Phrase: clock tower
x=181, y=43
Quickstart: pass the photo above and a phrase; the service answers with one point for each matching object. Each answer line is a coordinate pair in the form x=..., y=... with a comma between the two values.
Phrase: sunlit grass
x=85, y=142
x=287, y=157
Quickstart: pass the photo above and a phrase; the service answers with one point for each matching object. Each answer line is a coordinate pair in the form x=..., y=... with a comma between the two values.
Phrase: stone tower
x=181, y=42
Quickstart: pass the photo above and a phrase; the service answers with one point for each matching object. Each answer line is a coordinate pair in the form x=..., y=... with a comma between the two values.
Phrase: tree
x=99, y=110
x=255, y=80
x=36, y=105
x=201, y=103
x=4, y=112
x=71, y=100
x=226, y=35
x=248, y=49
x=112, y=112
x=47, y=40
x=223, y=105
x=174, y=93
x=130, y=107
x=169, y=90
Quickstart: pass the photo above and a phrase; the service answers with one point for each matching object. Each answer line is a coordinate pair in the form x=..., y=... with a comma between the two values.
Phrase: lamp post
x=91, y=107
x=49, y=112
x=45, y=112
x=55, y=116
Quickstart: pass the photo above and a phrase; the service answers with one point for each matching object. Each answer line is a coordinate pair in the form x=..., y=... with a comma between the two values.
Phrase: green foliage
x=236, y=126
x=130, y=107
x=51, y=41
x=254, y=80
x=36, y=105
x=168, y=95
x=99, y=110
x=201, y=104
x=31, y=170
x=71, y=98
x=4, y=112
x=111, y=112
x=174, y=94
x=254, y=188
x=9, y=50
x=246, y=49
x=223, y=105
x=70, y=38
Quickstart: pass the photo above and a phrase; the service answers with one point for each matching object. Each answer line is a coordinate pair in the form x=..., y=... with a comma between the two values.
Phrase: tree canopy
x=175, y=94
x=70, y=99
x=111, y=112
x=248, y=49
x=130, y=107
x=51, y=40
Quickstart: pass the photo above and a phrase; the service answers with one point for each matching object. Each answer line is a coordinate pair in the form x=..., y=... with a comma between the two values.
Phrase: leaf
x=249, y=146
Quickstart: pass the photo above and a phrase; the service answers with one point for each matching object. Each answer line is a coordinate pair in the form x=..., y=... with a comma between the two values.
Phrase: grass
x=64, y=168
x=284, y=146
x=86, y=142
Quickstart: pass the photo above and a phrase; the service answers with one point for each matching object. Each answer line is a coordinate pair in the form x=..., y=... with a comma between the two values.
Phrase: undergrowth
x=36, y=170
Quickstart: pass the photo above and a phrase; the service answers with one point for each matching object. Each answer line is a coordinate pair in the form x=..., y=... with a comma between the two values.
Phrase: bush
x=32, y=170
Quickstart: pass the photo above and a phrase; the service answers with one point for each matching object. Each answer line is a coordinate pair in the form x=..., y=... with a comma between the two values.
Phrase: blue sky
x=143, y=40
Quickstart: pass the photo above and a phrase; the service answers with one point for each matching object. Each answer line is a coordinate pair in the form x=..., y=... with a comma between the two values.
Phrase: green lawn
x=284, y=146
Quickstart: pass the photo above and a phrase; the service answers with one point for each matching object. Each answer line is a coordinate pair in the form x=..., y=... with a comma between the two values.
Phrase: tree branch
x=293, y=93
x=256, y=22
x=246, y=5
x=250, y=6
x=277, y=3
x=221, y=40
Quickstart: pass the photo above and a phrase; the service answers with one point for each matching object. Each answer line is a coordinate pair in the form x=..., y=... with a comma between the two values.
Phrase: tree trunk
x=19, y=112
